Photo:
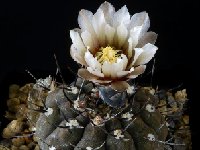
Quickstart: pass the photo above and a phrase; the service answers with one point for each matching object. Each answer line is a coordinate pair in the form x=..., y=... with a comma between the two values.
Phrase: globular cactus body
x=76, y=117
x=99, y=126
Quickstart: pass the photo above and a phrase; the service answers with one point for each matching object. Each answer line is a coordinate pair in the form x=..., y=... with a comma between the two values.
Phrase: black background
x=31, y=32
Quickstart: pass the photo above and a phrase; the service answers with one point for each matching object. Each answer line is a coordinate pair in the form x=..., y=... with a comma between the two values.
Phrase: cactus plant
x=69, y=118
x=102, y=109
x=95, y=125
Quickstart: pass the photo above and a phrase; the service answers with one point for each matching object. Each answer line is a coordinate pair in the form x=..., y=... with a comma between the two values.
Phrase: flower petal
x=85, y=22
x=148, y=53
x=121, y=16
x=88, y=41
x=121, y=74
x=94, y=65
x=140, y=19
x=135, y=34
x=96, y=72
x=109, y=32
x=149, y=37
x=137, y=71
x=77, y=56
x=92, y=62
x=137, y=52
x=119, y=85
x=108, y=11
x=99, y=23
x=117, y=67
x=124, y=60
x=106, y=69
x=122, y=34
x=84, y=73
x=77, y=41
x=130, y=48
x=103, y=81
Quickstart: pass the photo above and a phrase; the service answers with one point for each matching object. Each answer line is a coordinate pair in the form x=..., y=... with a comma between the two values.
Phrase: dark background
x=31, y=32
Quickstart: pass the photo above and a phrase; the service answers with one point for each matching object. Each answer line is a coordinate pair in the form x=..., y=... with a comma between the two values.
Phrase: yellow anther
x=107, y=54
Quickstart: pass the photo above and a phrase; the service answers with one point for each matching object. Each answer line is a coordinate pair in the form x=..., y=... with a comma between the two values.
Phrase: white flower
x=112, y=45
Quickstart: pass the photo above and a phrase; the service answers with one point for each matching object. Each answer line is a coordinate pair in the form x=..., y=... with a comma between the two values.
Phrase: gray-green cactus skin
x=52, y=131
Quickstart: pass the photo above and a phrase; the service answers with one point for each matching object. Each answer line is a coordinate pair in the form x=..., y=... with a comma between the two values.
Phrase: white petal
x=92, y=62
x=122, y=73
x=86, y=75
x=98, y=23
x=114, y=70
x=116, y=67
x=124, y=60
x=130, y=48
x=148, y=53
x=110, y=32
x=95, y=72
x=108, y=11
x=122, y=34
x=137, y=71
x=120, y=64
x=106, y=69
x=121, y=16
x=135, y=34
x=77, y=41
x=85, y=22
x=140, y=19
x=145, y=25
x=137, y=52
x=88, y=41
x=84, y=19
x=77, y=30
x=77, y=56
x=149, y=37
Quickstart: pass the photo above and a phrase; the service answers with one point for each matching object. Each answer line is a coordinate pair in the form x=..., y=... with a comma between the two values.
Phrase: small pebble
x=13, y=90
x=23, y=147
x=18, y=141
x=12, y=104
x=14, y=127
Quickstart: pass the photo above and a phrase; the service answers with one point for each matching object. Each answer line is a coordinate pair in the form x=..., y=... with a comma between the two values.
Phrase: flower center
x=107, y=54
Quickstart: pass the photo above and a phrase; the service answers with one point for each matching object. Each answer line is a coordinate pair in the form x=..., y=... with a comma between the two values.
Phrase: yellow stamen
x=107, y=54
